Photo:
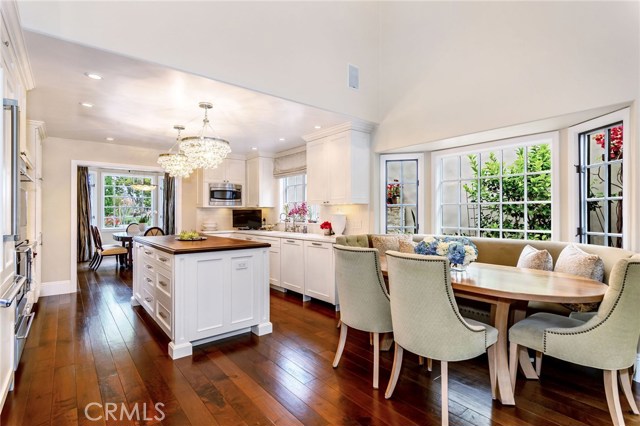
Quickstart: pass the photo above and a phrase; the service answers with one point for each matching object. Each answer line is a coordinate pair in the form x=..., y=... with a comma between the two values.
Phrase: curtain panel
x=169, y=207
x=85, y=247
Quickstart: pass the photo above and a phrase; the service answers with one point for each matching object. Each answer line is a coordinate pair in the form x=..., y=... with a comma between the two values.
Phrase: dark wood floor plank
x=93, y=348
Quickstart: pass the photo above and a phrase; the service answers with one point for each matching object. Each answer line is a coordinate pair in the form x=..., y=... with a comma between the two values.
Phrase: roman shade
x=290, y=164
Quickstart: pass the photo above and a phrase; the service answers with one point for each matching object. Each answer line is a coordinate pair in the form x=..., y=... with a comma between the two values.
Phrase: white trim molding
x=53, y=288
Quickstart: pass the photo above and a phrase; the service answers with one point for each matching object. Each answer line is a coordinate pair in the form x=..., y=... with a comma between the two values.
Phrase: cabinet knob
x=162, y=314
x=148, y=299
x=6, y=43
x=162, y=283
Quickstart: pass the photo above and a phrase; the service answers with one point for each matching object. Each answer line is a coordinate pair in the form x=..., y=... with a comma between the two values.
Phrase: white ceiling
x=137, y=103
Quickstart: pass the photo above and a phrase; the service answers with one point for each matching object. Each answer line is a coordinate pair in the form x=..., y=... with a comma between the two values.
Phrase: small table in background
x=126, y=238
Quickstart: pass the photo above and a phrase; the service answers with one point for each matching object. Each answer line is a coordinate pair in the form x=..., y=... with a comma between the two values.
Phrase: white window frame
x=101, y=207
x=552, y=138
x=573, y=183
x=313, y=209
x=383, y=187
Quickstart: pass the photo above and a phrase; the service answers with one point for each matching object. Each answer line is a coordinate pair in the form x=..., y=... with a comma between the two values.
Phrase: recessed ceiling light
x=282, y=139
x=318, y=127
x=254, y=148
x=93, y=76
x=110, y=139
x=86, y=104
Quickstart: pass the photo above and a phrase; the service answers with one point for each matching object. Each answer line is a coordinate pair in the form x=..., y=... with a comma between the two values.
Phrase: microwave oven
x=225, y=194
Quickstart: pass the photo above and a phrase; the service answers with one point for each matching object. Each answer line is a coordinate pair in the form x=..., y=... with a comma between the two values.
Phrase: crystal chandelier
x=176, y=164
x=203, y=151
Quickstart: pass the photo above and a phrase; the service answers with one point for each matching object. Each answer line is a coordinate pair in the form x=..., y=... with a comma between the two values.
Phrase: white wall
x=295, y=50
x=56, y=195
x=455, y=68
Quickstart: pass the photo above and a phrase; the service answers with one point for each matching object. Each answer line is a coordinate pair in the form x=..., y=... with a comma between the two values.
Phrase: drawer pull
x=162, y=283
x=316, y=244
x=148, y=252
x=149, y=280
x=163, y=259
x=148, y=299
x=162, y=314
x=291, y=241
x=148, y=266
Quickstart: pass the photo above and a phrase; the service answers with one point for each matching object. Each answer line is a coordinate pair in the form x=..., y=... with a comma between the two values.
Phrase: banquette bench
x=507, y=252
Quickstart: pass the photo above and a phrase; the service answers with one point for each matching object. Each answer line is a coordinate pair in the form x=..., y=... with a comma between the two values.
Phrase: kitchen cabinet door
x=292, y=265
x=260, y=183
x=317, y=173
x=319, y=271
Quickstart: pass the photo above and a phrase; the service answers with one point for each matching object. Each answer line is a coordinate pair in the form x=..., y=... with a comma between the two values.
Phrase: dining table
x=126, y=238
x=509, y=289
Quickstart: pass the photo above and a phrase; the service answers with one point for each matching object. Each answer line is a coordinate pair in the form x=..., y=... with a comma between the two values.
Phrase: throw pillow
x=388, y=242
x=532, y=258
x=573, y=260
x=407, y=246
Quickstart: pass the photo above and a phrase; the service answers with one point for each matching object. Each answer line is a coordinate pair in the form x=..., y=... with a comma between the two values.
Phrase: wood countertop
x=169, y=244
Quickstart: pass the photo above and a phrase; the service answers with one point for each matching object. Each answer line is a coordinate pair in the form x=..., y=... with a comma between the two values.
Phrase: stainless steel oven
x=225, y=194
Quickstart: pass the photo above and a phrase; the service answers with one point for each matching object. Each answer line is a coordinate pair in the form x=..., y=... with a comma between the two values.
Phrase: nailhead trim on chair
x=383, y=287
x=450, y=296
x=624, y=283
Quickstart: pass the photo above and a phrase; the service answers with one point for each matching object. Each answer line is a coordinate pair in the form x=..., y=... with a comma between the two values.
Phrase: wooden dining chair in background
x=102, y=250
x=154, y=230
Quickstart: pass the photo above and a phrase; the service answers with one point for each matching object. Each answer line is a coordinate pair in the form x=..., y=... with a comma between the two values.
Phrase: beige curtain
x=85, y=248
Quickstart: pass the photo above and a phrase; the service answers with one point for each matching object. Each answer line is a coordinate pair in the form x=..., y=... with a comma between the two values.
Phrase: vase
x=458, y=268
x=142, y=226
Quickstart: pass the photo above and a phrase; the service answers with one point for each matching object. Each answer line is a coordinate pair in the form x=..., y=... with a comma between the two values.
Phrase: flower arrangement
x=298, y=211
x=393, y=189
x=615, y=142
x=326, y=226
x=459, y=250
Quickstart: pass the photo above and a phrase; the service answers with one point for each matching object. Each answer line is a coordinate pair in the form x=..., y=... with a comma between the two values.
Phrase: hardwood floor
x=91, y=350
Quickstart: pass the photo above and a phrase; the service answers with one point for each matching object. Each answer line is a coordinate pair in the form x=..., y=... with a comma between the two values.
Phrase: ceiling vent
x=354, y=77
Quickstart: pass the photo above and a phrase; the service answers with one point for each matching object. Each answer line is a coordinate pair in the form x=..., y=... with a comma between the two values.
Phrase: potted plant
x=326, y=226
x=393, y=192
x=142, y=221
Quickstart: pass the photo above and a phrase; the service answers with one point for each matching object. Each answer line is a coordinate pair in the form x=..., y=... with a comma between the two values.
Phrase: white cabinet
x=338, y=168
x=292, y=274
x=260, y=183
x=319, y=275
x=230, y=170
x=274, y=259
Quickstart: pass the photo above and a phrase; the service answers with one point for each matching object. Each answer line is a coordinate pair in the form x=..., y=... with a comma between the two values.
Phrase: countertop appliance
x=223, y=194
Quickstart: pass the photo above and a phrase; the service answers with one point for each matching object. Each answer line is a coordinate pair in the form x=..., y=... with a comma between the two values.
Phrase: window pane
x=469, y=215
x=450, y=168
x=394, y=169
x=538, y=236
x=469, y=232
x=615, y=242
x=595, y=239
x=513, y=216
x=615, y=216
x=410, y=170
x=595, y=181
x=409, y=194
x=450, y=231
x=410, y=215
x=490, y=190
x=539, y=217
x=595, y=219
x=513, y=235
x=513, y=161
x=490, y=234
x=513, y=189
x=393, y=217
x=595, y=153
x=490, y=164
x=469, y=167
x=539, y=187
x=615, y=180
x=450, y=192
x=490, y=216
x=450, y=216
x=539, y=158
x=470, y=191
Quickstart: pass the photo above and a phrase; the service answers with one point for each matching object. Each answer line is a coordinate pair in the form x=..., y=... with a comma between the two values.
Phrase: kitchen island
x=201, y=291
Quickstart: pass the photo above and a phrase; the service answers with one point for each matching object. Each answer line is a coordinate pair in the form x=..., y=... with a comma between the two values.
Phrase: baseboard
x=53, y=288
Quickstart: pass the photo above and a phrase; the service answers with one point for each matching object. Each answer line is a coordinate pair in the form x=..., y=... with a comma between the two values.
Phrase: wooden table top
x=513, y=283
x=169, y=244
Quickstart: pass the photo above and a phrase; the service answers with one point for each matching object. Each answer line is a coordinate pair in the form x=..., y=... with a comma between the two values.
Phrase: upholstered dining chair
x=102, y=251
x=133, y=227
x=426, y=320
x=154, y=230
x=607, y=341
x=364, y=301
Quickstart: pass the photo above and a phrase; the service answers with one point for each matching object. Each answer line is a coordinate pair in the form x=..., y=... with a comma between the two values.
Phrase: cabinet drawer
x=149, y=282
x=316, y=244
x=148, y=301
x=163, y=317
x=275, y=242
x=148, y=266
x=148, y=252
x=164, y=284
x=164, y=259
